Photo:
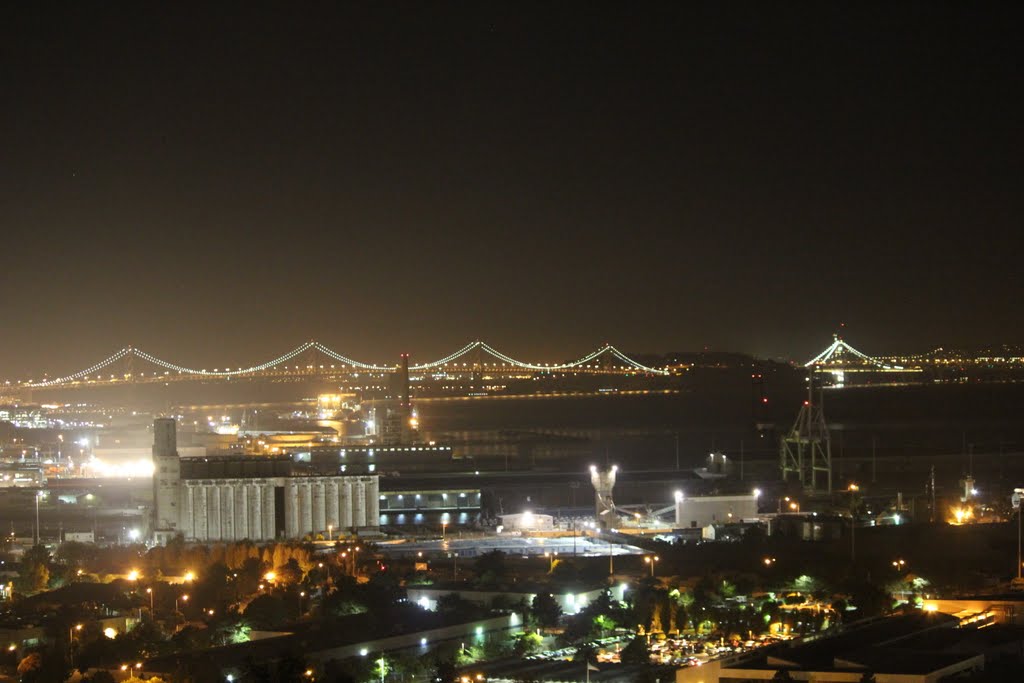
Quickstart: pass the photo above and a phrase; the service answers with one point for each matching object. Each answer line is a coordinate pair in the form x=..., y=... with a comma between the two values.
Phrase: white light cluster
x=838, y=347
x=122, y=470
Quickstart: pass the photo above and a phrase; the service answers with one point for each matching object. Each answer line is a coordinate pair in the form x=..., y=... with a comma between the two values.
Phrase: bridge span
x=131, y=365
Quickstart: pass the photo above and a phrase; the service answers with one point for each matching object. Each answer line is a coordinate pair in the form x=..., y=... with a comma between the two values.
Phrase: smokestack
x=165, y=438
x=166, y=480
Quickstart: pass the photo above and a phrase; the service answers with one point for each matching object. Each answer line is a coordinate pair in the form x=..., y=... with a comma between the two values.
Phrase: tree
x=290, y=572
x=256, y=672
x=101, y=676
x=28, y=666
x=584, y=653
x=444, y=670
x=565, y=571
x=35, y=571
x=782, y=675
x=869, y=599
x=546, y=610
x=456, y=609
x=267, y=612
x=492, y=563
x=528, y=643
x=635, y=652
x=290, y=669
x=381, y=667
x=603, y=623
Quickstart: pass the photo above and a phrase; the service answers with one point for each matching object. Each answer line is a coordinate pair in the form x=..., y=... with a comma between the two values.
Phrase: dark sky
x=217, y=186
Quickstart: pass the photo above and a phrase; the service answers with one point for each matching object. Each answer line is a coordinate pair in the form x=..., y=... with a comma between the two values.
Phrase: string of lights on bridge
x=476, y=346
x=838, y=348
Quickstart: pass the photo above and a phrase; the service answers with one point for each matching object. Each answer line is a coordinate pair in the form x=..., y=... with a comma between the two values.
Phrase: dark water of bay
x=893, y=431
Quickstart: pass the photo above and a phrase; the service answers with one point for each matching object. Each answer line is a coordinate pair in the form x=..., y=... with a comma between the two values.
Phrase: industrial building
x=260, y=499
x=702, y=511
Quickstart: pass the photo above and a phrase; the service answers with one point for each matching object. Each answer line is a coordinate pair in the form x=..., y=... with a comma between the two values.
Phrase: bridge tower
x=129, y=364
x=309, y=359
x=807, y=449
x=478, y=365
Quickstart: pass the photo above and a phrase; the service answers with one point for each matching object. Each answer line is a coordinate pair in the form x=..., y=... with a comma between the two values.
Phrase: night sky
x=218, y=186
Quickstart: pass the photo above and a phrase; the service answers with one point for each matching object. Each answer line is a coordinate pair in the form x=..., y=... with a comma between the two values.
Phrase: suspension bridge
x=840, y=358
x=315, y=360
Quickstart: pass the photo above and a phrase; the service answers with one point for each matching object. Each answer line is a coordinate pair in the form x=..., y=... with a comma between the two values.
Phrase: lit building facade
x=259, y=499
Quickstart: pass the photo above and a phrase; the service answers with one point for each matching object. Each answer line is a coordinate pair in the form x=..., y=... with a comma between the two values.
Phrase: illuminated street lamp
x=184, y=598
x=133, y=575
x=270, y=577
x=150, y=592
x=899, y=564
x=551, y=560
x=39, y=494
x=71, y=641
x=190, y=576
x=769, y=561
x=651, y=560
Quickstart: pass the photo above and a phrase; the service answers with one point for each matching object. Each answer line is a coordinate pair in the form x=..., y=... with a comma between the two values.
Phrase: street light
x=39, y=494
x=71, y=641
x=1015, y=500
x=853, y=488
x=769, y=561
x=150, y=591
x=184, y=598
x=898, y=564
x=651, y=560
x=551, y=560
x=133, y=575
x=189, y=577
